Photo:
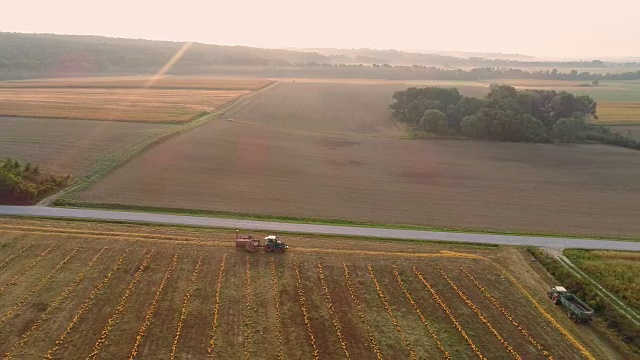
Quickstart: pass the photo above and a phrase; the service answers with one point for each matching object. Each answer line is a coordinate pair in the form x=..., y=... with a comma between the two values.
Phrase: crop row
x=360, y=312
x=305, y=310
x=276, y=301
x=26, y=269
x=481, y=316
x=422, y=318
x=39, y=285
x=154, y=306
x=248, y=310
x=332, y=313
x=185, y=306
x=54, y=305
x=446, y=309
x=86, y=305
x=216, y=307
x=121, y=305
x=495, y=302
x=387, y=307
x=12, y=256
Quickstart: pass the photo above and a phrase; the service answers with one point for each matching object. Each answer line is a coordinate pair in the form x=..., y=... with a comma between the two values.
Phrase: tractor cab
x=555, y=293
x=273, y=243
x=559, y=290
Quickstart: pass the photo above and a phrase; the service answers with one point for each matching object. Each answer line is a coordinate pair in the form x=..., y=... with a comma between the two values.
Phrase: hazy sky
x=553, y=28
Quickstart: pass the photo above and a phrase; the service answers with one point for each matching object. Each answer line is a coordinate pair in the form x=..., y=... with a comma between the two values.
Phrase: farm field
x=166, y=82
x=617, y=271
x=139, y=105
x=129, y=291
x=323, y=107
x=632, y=131
x=69, y=147
x=315, y=172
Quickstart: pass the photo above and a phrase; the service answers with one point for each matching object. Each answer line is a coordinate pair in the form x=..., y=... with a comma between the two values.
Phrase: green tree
x=434, y=121
x=568, y=129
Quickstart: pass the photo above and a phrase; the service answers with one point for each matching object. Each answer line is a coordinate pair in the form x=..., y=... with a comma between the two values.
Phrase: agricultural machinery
x=251, y=243
x=577, y=310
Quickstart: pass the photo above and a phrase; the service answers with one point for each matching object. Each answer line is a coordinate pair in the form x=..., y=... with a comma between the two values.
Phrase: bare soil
x=245, y=168
x=67, y=147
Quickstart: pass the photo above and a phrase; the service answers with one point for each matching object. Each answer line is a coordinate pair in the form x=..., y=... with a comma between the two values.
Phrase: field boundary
x=123, y=157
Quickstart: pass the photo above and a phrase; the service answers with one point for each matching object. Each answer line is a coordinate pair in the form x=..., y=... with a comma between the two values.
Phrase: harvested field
x=69, y=147
x=619, y=112
x=241, y=168
x=167, y=82
x=124, y=291
x=140, y=105
x=323, y=107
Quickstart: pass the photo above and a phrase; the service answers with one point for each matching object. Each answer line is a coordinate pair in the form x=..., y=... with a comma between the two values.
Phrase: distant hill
x=26, y=55
x=457, y=60
x=48, y=55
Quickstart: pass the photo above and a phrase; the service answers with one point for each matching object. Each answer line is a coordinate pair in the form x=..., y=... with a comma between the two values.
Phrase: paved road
x=547, y=242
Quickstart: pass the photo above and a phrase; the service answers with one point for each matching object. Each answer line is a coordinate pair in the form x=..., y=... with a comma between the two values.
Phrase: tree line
x=25, y=183
x=505, y=114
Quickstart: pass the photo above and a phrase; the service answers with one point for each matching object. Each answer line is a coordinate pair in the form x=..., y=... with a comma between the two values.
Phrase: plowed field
x=69, y=147
x=86, y=290
x=313, y=156
x=323, y=107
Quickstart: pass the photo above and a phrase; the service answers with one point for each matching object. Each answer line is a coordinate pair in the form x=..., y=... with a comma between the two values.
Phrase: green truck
x=577, y=310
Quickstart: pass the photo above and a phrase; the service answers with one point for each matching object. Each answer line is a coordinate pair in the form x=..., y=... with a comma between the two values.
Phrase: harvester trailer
x=251, y=243
x=577, y=310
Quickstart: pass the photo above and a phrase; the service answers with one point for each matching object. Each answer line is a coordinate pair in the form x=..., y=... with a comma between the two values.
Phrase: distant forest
x=505, y=114
x=47, y=55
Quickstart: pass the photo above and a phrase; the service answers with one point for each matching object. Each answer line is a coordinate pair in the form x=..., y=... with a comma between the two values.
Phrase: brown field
x=167, y=82
x=140, y=105
x=619, y=112
x=632, y=131
x=69, y=147
x=323, y=107
x=88, y=290
x=315, y=173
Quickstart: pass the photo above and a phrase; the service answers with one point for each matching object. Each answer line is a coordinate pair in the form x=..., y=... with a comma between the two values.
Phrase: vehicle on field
x=577, y=310
x=251, y=243
x=273, y=243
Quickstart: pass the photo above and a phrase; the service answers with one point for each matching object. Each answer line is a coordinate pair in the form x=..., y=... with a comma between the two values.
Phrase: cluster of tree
x=48, y=55
x=24, y=184
x=505, y=114
x=622, y=325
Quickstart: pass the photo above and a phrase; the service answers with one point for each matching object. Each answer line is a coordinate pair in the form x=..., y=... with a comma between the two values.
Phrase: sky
x=544, y=28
